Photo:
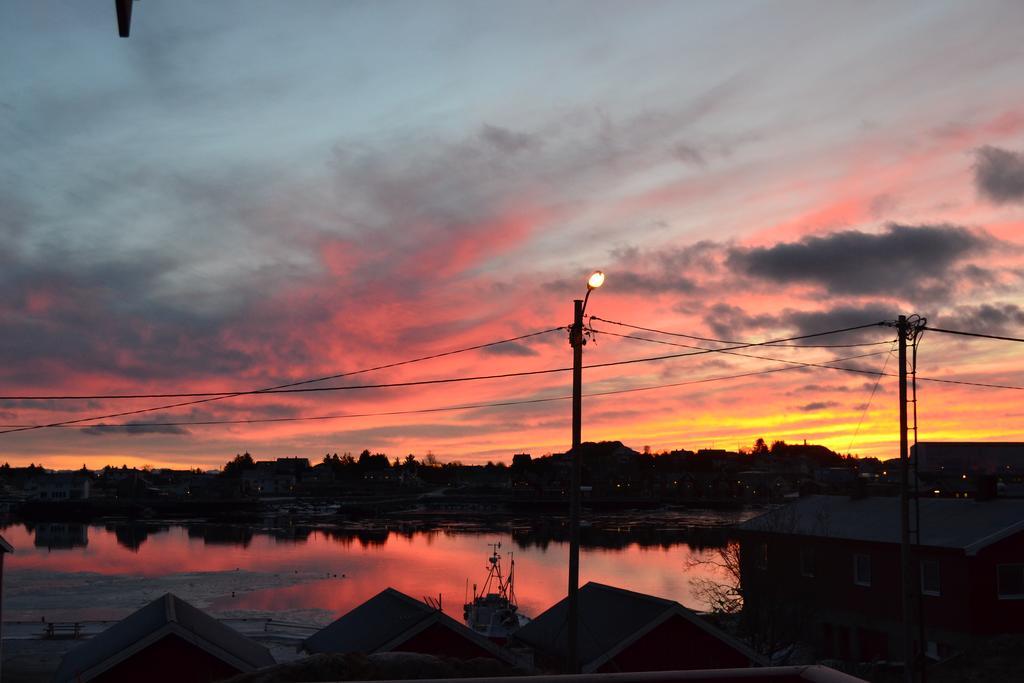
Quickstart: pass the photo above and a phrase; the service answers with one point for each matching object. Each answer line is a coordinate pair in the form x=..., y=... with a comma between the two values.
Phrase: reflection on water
x=61, y=536
x=315, y=573
x=132, y=535
x=222, y=534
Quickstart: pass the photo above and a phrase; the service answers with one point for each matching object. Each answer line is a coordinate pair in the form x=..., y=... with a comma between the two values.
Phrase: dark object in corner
x=124, y=17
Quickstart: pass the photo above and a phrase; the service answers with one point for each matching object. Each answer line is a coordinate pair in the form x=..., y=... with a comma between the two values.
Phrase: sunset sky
x=246, y=194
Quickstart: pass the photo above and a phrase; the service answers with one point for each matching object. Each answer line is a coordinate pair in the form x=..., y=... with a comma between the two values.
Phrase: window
x=862, y=570
x=806, y=562
x=931, y=582
x=1010, y=581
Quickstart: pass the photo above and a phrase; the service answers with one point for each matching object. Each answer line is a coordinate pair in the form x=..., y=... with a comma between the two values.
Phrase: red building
x=394, y=622
x=623, y=631
x=5, y=548
x=167, y=640
x=827, y=568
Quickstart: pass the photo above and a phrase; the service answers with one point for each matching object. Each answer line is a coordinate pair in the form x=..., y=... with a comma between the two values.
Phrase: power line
x=744, y=355
x=277, y=388
x=499, y=404
x=218, y=397
x=294, y=389
x=965, y=383
x=534, y=372
x=767, y=343
x=473, y=406
x=972, y=334
x=867, y=406
x=289, y=387
x=939, y=380
x=447, y=380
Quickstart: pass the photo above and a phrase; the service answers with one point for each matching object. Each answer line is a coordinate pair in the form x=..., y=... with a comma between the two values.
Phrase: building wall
x=676, y=645
x=989, y=614
x=438, y=639
x=850, y=621
x=169, y=660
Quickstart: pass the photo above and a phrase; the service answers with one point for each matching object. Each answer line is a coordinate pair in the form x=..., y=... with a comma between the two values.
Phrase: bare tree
x=773, y=619
x=722, y=596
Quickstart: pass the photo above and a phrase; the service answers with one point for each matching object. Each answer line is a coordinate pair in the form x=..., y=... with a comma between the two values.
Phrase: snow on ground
x=31, y=595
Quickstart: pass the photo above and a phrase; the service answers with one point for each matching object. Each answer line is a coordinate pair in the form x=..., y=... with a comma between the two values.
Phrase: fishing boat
x=493, y=611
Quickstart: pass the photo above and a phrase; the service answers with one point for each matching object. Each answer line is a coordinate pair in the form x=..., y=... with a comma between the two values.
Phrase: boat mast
x=510, y=586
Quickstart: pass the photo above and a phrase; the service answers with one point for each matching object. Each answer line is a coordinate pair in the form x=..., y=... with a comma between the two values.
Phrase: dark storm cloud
x=115, y=316
x=656, y=271
x=819, y=389
x=903, y=259
x=999, y=174
x=689, y=154
x=841, y=317
x=198, y=303
x=654, y=283
x=998, y=318
x=731, y=322
x=508, y=141
x=817, y=405
x=133, y=429
x=510, y=349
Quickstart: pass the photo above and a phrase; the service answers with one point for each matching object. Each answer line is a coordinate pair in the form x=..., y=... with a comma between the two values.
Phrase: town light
x=577, y=341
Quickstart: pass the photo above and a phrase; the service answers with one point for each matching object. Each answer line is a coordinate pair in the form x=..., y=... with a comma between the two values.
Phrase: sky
x=247, y=194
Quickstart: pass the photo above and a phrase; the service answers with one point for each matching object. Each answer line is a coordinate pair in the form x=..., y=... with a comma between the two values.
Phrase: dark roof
x=167, y=615
x=371, y=625
x=966, y=525
x=610, y=619
x=385, y=620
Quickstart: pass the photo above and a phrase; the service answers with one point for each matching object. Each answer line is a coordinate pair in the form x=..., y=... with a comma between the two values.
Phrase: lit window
x=806, y=562
x=1010, y=581
x=862, y=570
x=931, y=582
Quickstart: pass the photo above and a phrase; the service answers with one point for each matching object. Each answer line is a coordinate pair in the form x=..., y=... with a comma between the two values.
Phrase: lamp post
x=577, y=341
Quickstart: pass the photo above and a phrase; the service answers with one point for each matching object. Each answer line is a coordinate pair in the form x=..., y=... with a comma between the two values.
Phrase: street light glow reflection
x=596, y=280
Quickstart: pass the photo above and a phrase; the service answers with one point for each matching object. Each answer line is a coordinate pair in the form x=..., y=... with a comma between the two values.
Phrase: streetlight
x=577, y=341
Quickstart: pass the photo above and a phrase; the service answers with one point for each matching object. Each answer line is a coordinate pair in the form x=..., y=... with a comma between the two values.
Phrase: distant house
x=623, y=631
x=970, y=457
x=394, y=622
x=136, y=486
x=61, y=535
x=298, y=467
x=167, y=640
x=59, y=487
x=268, y=481
x=839, y=558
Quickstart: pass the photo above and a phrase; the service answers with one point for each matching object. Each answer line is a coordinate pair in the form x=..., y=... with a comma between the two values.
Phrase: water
x=75, y=572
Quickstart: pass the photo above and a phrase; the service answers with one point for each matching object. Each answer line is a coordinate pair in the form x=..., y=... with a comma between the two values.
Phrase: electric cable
x=445, y=380
x=724, y=341
x=871, y=396
x=472, y=406
x=972, y=334
x=733, y=353
x=227, y=394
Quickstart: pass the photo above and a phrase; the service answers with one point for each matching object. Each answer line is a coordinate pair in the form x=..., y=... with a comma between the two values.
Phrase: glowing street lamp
x=577, y=341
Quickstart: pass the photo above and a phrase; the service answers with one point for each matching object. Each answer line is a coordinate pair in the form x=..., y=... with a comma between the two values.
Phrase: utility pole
x=572, y=664
x=908, y=575
x=576, y=340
